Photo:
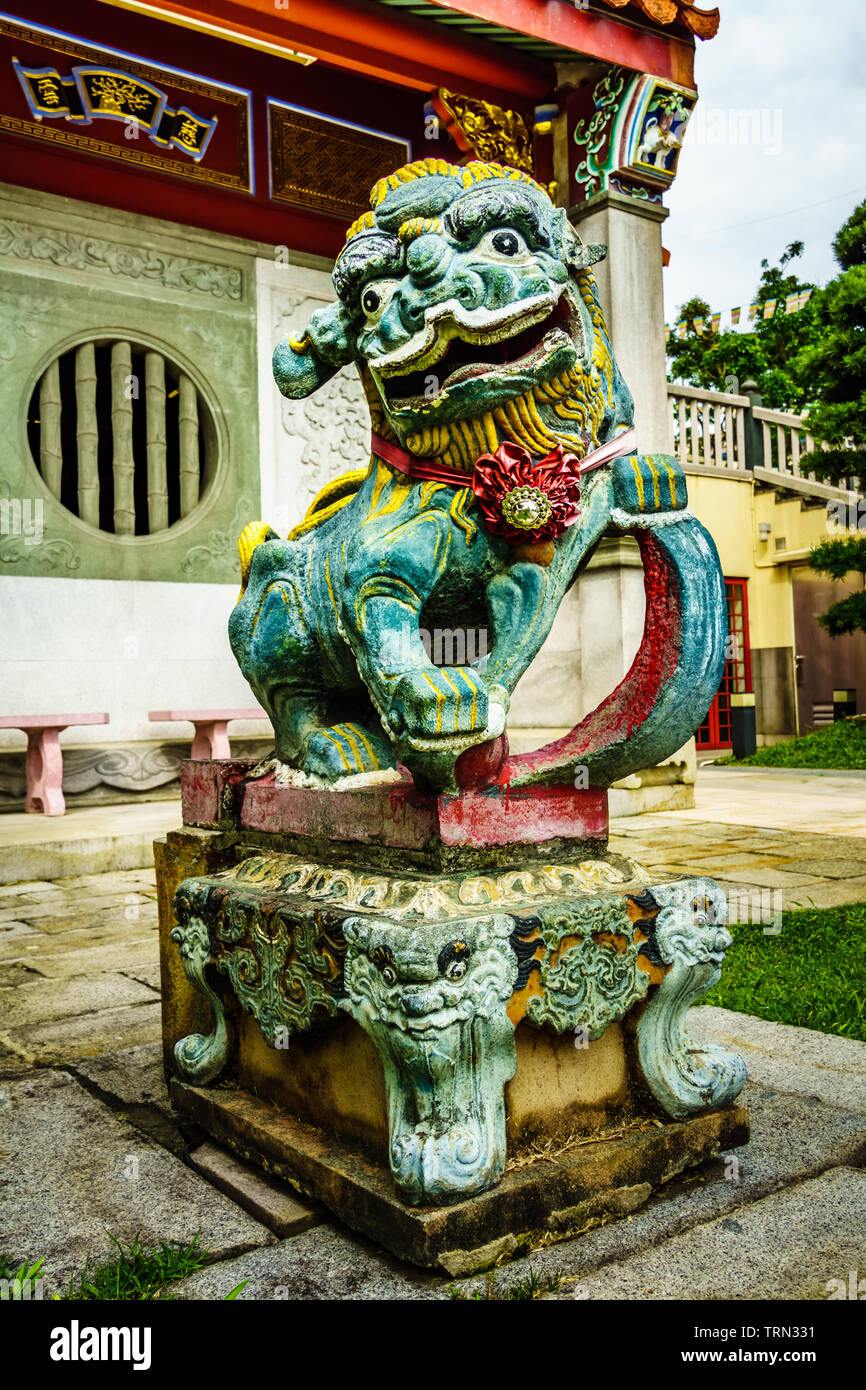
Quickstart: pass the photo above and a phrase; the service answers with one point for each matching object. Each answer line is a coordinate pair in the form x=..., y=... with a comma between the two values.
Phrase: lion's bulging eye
x=456, y=970
x=376, y=298
x=389, y=975
x=506, y=243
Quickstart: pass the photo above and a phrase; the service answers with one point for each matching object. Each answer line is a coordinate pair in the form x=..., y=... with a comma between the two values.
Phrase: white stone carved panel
x=305, y=443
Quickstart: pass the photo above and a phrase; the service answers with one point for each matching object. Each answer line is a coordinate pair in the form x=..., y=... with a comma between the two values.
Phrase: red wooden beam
x=589, y=35
x=369, y=38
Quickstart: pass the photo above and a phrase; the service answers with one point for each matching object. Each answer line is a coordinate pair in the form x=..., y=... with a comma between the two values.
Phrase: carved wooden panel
x=327, y=165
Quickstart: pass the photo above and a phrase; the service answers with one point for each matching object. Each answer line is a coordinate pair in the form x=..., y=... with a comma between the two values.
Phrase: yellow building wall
x=732, y=509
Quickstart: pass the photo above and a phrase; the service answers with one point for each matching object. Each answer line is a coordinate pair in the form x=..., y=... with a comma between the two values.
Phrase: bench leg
x=44, y=767
x=211, y=740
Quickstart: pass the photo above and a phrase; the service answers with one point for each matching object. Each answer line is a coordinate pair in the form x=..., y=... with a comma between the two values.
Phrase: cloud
x=747, y=187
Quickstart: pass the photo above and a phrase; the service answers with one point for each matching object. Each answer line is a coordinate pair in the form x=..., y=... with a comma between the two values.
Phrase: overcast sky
x=798, y=65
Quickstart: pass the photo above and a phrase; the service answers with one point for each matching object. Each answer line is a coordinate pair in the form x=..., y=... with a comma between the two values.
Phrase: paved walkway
x=88, y=1142
x=799, y=834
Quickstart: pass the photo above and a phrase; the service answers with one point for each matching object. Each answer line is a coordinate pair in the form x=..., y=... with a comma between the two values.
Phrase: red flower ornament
x=526, y=500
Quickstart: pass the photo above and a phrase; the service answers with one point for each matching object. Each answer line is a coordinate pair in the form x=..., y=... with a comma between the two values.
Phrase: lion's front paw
x=343, y=750
x=441, y=701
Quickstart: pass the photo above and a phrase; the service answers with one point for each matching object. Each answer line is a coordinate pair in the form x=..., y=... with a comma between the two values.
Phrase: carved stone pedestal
x=459, y=1064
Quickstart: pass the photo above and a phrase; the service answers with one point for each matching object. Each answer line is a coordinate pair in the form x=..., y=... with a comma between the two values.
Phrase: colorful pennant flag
x=713, y=324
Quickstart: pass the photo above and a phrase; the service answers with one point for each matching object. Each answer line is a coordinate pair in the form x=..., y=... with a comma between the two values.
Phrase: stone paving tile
x=122, y=956
x=10, y=931
x=770, y=878
x=130, y=1076
x=794, y=1138
x=17, y=973
x=837, y=894
x=786, y=1246
x=757, y=859
x=75, y=1171
x=147, y=975
x=36, y=943
x=84, y=1035
x=835, y=868
x=328, y=1262
x=113, y=882
x=56, y=916
x=50, y=1000
x=32, y=891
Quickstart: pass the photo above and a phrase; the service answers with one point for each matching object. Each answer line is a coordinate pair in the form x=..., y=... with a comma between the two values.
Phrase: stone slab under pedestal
x=537, y=1203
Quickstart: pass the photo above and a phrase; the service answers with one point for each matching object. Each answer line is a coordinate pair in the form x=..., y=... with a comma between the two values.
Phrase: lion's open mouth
x=462, y=359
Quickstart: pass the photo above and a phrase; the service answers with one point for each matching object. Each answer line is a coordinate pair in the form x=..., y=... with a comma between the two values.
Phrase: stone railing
x=715, y=429
x=709, y=427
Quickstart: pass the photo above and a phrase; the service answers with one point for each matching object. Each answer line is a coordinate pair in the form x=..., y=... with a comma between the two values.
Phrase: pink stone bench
x=211, y=738
x=44, y=761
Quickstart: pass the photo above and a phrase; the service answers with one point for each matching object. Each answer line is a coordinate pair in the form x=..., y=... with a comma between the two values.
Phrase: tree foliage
x=835, y=365
x=724, y=361
x=812, y=362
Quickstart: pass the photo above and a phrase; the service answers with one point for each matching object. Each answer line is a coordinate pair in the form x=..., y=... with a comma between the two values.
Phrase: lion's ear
x=302, y=365
x=575, y=253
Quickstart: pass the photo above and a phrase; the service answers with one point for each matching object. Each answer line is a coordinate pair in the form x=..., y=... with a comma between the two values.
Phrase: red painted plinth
x=218, y=794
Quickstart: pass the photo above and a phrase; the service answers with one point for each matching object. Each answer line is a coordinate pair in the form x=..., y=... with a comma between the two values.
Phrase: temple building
x=177, y=179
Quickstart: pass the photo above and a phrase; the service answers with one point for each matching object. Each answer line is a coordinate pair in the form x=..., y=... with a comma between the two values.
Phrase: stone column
x=632, y=297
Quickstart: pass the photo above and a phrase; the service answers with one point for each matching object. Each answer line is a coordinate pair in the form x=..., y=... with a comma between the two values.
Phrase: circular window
x=122, y=437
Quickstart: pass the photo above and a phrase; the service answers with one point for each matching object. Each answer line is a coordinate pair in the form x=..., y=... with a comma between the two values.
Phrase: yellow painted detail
x=300, y=344
x=440, y=701
x=655, y=477
x=339, y=749
x=457, y=692
x=361, y=224
x=419, y=226
x=251, y=536
x=474, y=688
x=337, y=487
x=638, y=481
x=330, y=590
x=343, y=731
x=672, y=484
x=308, y=525
x=366, y=742
x=462, y=499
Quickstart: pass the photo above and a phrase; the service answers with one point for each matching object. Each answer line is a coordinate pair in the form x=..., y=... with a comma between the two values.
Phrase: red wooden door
x=715, y=732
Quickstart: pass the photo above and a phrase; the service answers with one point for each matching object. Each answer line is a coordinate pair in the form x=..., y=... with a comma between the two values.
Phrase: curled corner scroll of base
x=691, y=937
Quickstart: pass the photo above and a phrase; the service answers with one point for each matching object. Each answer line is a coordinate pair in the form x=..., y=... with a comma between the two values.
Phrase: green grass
x=524, y=1290
x=813, y=974
x=138, y=1273
x=841, y=745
